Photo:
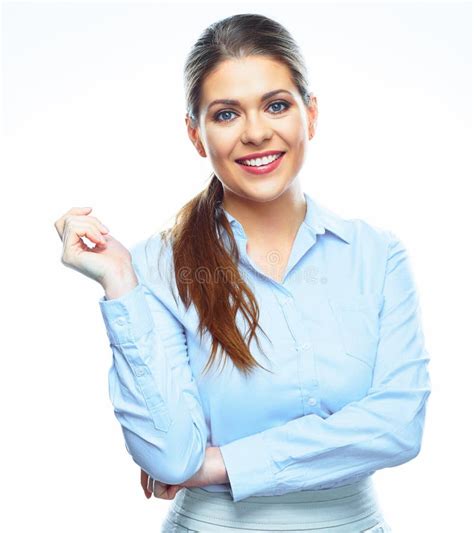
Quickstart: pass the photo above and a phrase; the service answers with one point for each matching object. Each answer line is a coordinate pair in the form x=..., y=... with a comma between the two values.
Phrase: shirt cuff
x=248, y=467
x=128, y=317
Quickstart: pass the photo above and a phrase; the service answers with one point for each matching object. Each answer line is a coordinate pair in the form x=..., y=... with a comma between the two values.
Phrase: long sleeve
x=151, y=386
x=383, y=429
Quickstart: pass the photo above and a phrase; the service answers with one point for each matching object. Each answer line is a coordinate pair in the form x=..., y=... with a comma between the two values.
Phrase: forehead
x=245, y=77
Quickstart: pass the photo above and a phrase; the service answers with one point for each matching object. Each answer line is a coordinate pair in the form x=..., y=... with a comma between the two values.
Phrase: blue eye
x=279, y=103
x=286, y=105
x=221, y=113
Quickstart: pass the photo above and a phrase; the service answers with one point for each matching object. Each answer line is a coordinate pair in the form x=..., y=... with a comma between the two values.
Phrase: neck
x=276, y=219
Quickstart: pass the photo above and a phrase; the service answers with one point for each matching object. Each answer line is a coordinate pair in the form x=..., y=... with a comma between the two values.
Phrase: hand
x=160, y=490
x=107, y=260
x=212, y=472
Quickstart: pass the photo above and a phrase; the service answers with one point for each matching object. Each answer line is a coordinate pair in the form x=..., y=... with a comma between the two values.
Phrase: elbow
x=174, y=462
x=403, y=456
x=180, y=469
x=407, y=441
x=185, y=450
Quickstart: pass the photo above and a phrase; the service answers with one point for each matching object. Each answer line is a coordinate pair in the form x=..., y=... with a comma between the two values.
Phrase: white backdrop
x=93, y=115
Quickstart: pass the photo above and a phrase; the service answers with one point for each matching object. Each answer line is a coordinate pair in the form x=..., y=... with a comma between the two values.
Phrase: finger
x=159, y=489
x=78, y=222
x=59, y=224
x=94, y=237
x=174, y=489
x=96, y=227
x=144, y=483
x=74, y=232
x=75, y=217
x=98, y=223
x=143, y=479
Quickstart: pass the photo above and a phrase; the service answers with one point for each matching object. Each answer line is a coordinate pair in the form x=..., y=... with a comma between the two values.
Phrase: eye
x=217, y=115
x=286, y=105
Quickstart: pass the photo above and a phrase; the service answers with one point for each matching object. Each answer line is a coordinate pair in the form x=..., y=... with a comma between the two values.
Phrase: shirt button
x=140, y=371
x=312, y=401
x=120, y=321
x=306, y=346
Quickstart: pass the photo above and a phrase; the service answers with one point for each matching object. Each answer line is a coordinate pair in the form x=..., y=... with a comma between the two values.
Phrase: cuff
x=248, y=467
x=128, y=317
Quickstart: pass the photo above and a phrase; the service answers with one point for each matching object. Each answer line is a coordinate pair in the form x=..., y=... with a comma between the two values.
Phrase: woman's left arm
x=383, y=429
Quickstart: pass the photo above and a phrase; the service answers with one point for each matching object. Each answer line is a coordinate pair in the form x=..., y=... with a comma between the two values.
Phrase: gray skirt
x=352, y=508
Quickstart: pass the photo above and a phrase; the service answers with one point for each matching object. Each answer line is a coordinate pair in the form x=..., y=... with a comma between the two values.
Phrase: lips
x=263, y=169
x=260, y=155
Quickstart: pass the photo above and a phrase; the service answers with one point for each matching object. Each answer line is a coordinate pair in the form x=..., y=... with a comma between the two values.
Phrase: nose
x=256, y=130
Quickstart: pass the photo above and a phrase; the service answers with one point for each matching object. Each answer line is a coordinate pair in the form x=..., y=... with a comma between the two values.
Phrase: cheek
x=291, y=131
x=221, y=143
x=296, y=130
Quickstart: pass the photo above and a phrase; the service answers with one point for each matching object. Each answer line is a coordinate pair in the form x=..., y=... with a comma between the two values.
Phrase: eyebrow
x=226, y=101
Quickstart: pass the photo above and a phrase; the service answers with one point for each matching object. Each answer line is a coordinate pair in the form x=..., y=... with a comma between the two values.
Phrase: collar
x=318, y=219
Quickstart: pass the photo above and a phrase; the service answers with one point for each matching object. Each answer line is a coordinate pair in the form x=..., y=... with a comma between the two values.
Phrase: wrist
x=119, y=284
x=219, y=469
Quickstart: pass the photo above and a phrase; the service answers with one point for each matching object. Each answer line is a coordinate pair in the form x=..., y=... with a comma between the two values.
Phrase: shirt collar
x=318, y=219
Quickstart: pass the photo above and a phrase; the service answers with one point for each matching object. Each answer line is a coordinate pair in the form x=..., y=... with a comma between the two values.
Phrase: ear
x=312, y=115
x=194, y=136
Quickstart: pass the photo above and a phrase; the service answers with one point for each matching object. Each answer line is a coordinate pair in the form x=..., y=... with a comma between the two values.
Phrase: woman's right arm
x=151, y=386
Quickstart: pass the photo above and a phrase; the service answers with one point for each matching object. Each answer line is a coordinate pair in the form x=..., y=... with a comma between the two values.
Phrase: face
x=228, y=132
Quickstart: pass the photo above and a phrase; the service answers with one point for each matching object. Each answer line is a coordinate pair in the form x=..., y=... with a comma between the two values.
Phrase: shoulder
x=358, y=232
x=379, y=237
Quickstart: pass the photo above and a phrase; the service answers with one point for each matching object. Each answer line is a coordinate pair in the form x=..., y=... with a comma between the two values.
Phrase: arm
x=151, y=386
x=383, y=429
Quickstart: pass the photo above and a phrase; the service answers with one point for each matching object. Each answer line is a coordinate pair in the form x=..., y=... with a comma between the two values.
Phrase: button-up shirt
x=344, y=384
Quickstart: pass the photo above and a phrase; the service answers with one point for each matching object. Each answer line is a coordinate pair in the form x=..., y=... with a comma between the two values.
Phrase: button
x=120, y=321
x=140, y=371
x=312, y=401
x=306, y=346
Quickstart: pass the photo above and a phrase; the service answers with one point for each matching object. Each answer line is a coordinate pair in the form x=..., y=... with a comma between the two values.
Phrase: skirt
x=351, y=508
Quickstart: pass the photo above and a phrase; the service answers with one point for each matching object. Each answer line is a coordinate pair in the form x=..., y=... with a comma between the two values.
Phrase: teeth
x=260, y=160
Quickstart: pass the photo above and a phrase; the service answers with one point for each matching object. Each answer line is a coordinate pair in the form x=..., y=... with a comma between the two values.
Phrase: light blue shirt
x=349, y=380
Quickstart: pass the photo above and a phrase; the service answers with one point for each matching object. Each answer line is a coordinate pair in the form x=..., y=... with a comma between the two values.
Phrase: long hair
x=195, y=238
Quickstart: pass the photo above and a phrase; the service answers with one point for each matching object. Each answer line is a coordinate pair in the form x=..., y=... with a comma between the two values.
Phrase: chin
x=264, y=190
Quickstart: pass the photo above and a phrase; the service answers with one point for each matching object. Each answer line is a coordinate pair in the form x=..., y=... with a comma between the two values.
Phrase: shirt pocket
x=357, y=317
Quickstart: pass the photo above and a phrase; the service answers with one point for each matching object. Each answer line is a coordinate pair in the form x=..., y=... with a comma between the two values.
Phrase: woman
x=288, y=434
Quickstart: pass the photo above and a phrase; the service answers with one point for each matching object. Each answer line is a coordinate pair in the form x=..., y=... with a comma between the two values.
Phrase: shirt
x=348, y=383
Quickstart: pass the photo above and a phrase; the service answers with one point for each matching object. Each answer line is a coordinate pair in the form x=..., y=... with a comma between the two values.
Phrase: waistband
x=346, y=505
x=291, y=497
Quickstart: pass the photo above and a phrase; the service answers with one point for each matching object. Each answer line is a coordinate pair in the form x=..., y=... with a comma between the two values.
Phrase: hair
x=195, y=236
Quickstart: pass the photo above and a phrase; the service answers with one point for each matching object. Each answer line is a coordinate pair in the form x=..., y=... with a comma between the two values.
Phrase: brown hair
x=195, y=236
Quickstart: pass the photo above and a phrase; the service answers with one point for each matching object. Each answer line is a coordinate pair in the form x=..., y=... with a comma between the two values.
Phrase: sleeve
x=381, y=430
x=151, y=386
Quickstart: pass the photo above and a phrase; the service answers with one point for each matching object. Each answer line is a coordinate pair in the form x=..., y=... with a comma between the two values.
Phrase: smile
x=262, y=165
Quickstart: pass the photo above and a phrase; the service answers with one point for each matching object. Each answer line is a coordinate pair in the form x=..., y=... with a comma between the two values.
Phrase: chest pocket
x=357, y=317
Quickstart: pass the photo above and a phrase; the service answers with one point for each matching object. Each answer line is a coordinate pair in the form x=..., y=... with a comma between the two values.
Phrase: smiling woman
x=290, y=444
x=279, y=121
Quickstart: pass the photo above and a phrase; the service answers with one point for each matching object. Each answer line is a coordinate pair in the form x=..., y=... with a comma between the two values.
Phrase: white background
x=93, y=115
